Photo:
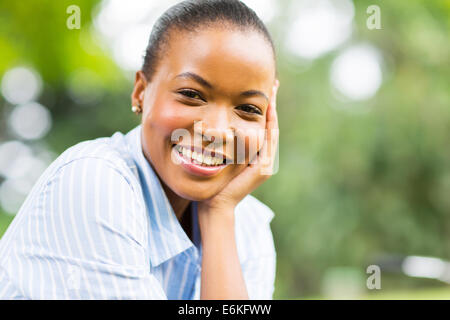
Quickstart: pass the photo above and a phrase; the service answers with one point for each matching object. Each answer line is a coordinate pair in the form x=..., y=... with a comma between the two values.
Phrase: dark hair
x=189, y=15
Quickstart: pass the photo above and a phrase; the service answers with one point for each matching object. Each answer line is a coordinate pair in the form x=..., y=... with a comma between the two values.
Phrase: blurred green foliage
x=356, y=179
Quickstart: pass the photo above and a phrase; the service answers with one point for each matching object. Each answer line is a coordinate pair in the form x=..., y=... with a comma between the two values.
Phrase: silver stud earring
x=136, y=108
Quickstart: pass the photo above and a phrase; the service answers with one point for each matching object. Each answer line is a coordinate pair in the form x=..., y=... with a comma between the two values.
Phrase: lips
x=206, y=157
x=199, y=163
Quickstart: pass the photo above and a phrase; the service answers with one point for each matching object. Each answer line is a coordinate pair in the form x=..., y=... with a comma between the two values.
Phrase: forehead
x=226, y=57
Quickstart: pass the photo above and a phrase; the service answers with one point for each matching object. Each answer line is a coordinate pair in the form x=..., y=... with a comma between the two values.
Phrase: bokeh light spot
x=30, y=121
x=356, y=72
x=21, y=85
x=319, y=27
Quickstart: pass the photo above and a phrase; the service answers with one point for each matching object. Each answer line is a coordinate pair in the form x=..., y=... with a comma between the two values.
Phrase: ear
x=140, y=83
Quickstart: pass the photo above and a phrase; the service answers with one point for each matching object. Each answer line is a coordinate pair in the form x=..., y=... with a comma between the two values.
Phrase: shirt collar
x=167, y=235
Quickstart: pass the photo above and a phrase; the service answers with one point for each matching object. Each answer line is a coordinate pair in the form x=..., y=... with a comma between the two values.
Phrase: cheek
x=250, y=141
x=165, y=119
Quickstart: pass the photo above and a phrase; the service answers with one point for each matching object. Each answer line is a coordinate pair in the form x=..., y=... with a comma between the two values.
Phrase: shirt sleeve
x=84, y=237
x=257, y=250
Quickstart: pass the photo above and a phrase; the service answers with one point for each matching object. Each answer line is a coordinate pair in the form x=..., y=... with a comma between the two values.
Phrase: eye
x=250, y=109
x=190, y=94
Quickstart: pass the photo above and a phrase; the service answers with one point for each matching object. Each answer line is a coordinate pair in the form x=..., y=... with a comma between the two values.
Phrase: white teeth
x=198, y=157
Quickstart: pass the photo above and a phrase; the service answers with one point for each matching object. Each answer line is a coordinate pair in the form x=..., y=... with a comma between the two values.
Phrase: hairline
x=202, y=26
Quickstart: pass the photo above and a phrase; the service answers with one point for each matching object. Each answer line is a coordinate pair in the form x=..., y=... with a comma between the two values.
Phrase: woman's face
x=222, y=64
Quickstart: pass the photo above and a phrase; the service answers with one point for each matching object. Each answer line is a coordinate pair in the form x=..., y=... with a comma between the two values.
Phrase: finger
x=275, y=91
x=272, y=121
x=266, y=157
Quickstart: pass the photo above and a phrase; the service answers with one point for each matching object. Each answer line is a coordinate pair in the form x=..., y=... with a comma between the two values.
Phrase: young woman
x=147, y=216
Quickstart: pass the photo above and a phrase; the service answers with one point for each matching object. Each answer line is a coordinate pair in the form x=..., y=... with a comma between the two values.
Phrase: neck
x=178, y=203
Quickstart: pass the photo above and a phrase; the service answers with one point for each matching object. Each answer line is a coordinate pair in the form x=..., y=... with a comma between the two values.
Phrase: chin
x=196, y=192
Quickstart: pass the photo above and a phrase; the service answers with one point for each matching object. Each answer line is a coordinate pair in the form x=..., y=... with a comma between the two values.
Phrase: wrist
x=216, y=222
x=220, y=202
x=216, y=206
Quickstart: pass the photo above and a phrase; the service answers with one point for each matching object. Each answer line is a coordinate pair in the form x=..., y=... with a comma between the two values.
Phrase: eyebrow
x=203, y=82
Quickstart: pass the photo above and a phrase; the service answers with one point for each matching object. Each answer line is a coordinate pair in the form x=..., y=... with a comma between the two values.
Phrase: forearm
x=221, y=276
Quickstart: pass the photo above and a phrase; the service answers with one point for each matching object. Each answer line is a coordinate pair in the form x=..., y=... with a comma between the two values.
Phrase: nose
x=217, y=126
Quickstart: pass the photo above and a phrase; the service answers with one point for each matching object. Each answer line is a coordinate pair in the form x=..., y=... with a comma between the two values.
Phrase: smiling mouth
x=205, y=158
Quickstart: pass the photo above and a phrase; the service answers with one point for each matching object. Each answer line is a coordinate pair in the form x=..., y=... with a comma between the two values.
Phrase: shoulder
x=112, y=150
x=253, y=232
x=88, y=191
x=92, y=186
x=87, y=177
x=250, y=208
x=103, y=164
x=104, y=155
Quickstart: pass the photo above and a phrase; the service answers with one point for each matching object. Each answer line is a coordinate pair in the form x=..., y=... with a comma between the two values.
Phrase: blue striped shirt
x=98, y=225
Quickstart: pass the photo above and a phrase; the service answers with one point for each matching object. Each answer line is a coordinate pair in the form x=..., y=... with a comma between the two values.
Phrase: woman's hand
x=256, y=172
x=221, y=275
